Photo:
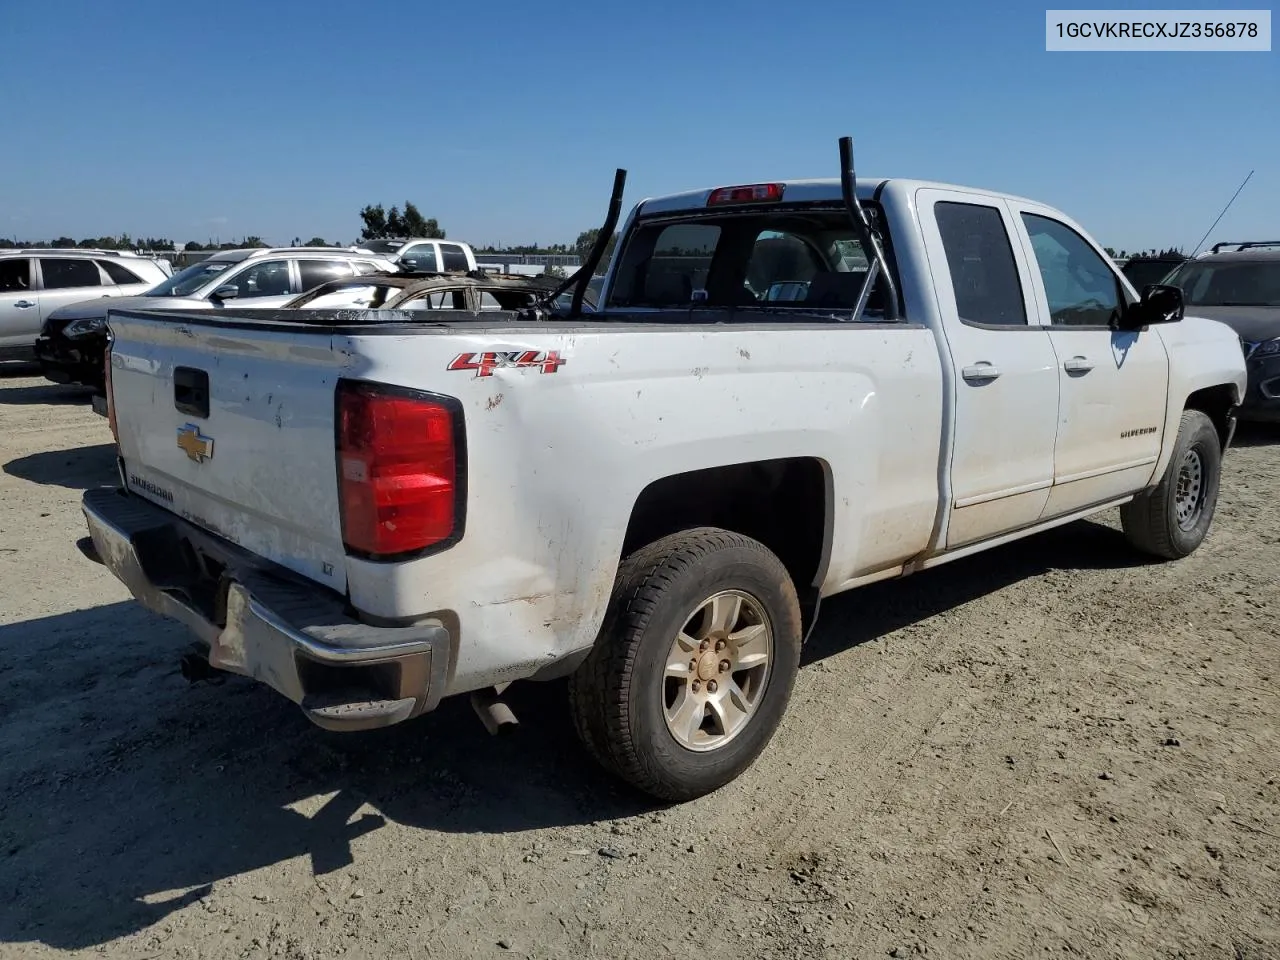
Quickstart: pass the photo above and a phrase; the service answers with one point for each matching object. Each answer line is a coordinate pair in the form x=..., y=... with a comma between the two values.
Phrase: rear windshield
x=1248, y=283
x=803, y=259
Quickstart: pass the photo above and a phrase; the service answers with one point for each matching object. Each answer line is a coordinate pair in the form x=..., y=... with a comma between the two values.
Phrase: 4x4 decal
x=485, y=363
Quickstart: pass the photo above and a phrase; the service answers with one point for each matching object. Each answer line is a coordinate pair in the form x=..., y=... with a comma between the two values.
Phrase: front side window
x=15, y=275
x=1081, y=289
x=984, y=274
x=63, y=274
x=420, y=256
x=266, y=278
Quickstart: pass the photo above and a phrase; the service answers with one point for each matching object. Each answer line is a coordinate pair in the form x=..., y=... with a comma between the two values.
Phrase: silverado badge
x=194, y=443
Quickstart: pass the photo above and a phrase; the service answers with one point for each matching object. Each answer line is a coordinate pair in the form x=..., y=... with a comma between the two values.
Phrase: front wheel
x=694, y=667
x=1172, y=520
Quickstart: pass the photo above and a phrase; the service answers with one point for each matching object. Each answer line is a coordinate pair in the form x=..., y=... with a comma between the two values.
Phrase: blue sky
x=506, y=120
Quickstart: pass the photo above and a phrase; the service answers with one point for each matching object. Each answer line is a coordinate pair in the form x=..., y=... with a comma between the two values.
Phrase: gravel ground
x=1053, y=748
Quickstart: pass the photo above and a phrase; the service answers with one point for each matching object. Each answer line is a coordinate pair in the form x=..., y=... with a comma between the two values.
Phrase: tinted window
x=455, y=258
x=61, y=274
x=118, y=272
x=188, y=281
x=1249, y=283
x=316, y=272
x=420, y=256
x=15, y=274
x=984, y=274
x=270, y=278
x=1080, y=287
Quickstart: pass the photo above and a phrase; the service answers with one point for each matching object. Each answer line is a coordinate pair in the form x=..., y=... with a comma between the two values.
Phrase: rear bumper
x=293, y=636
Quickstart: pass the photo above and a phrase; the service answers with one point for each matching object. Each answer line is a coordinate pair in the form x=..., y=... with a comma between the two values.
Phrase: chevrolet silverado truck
x=789, y=389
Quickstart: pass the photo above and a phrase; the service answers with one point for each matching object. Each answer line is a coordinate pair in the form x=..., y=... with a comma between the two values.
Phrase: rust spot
x=493, y=402
x=744, y=354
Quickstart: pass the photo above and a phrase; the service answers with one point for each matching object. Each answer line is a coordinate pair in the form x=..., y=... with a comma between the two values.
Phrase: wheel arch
x=785, y=503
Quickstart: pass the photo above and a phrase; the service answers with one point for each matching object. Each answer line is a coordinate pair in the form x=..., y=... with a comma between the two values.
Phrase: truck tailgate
x=233, y=429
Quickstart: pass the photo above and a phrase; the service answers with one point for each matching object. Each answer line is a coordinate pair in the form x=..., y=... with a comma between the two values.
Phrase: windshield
x=1140, y=273
x=1247, y=283
x=797, y=259
x=188, y=281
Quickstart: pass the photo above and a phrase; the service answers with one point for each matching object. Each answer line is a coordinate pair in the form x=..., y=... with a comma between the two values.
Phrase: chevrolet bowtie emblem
x=194, y=443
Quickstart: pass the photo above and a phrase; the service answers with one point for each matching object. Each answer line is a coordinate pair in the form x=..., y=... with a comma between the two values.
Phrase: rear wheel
x=695, y=664
x=1172, y=520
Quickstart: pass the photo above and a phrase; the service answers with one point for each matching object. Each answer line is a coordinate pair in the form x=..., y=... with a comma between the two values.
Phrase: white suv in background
x=34, y=283
x=424, y=255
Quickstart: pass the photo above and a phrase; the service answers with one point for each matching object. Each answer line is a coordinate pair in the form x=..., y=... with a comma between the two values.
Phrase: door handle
x=980, y=371
x=24, y=304
x=1078, y=365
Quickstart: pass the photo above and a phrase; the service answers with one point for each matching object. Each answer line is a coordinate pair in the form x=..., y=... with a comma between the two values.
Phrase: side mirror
x=1160, y=303
x=227, y=292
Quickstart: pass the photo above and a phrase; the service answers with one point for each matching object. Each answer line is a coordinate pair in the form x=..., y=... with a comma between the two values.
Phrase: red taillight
x=751, y=193
x=106, y=385
x=397, y=470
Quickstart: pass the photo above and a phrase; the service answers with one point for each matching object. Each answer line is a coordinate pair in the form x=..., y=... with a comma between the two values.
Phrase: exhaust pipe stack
x=492, y=711
x=196, y=668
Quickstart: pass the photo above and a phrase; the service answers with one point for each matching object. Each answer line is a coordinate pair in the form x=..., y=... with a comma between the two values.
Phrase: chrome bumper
x=293, y=636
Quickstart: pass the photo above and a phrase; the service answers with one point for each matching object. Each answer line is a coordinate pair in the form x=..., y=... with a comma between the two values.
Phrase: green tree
x=380, y=222
x=317, y=242
x=255, y=242
x=193, y=245
x=586, y=240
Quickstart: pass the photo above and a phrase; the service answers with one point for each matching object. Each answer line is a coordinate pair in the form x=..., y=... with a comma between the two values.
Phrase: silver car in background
x=36, y=282
x=71, y=343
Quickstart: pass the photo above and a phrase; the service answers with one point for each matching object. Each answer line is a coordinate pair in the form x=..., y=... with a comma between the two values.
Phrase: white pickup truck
x=790, y=389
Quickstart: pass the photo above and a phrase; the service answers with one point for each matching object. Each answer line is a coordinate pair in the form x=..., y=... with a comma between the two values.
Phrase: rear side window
x=984, y=274
x=118, y=272
x=316, y=272
x=455, y=258
x=62, y=274
x=15, y=275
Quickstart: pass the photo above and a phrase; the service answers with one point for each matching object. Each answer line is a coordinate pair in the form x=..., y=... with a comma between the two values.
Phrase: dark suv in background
x=1143, y=271
x=1239, y=284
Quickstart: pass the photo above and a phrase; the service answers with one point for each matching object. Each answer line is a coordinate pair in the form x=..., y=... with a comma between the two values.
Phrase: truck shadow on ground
x=47, y=393
x=79, y=468
x=143, y=792
x=1256, y=435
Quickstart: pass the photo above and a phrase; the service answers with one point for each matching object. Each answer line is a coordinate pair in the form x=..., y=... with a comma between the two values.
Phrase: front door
x=19, y=304
x=1005, y=387
x=1114, y=384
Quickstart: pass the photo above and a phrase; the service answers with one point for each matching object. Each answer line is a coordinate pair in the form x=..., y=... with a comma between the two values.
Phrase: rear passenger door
x=19, y=303
x=1004, y=371
x=65, y=280
x=1113, y=384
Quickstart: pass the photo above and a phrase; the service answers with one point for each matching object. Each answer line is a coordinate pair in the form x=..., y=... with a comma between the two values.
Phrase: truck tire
x=1172, y=520
x=694, y=665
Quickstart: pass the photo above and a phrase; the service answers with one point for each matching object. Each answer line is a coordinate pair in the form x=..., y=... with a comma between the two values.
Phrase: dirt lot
x=1051, y=749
